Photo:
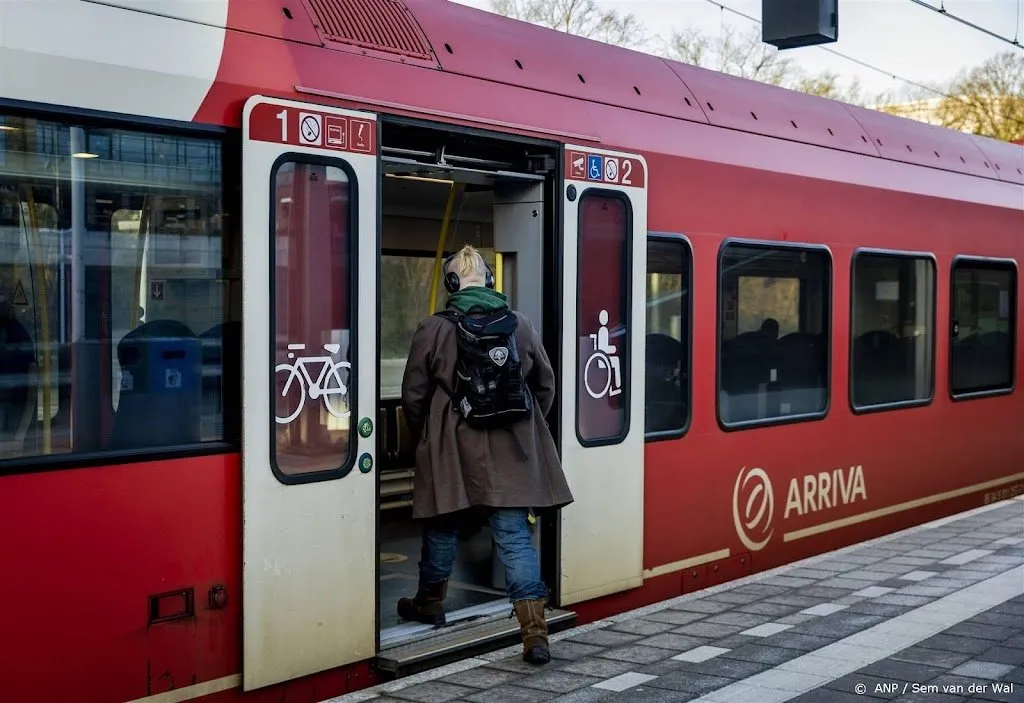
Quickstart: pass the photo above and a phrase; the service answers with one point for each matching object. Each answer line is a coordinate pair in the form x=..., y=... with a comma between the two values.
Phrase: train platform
x=934, y=613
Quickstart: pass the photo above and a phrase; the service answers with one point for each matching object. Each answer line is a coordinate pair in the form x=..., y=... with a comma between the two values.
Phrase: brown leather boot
x=428, y=605
x=534, y=630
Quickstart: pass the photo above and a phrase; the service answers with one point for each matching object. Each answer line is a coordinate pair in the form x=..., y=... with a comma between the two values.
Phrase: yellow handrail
x=33, y=221
x=441, y=240
x=499, y=275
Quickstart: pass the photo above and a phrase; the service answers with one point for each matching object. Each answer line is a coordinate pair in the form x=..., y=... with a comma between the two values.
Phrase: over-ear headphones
x=451, y=279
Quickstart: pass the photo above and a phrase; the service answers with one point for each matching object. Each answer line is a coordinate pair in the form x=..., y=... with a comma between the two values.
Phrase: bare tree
x=744, y=54
x=732, y=52
x=988, y=99
x=580, y=17
x=738, y=53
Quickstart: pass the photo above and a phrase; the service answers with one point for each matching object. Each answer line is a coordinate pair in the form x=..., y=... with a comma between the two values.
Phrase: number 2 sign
x=607, y=169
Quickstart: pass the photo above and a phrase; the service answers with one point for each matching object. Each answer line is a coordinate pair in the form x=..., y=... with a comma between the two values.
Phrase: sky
x=896, y=36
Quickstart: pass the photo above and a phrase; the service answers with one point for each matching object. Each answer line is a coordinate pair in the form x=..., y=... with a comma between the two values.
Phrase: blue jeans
x=510, y=528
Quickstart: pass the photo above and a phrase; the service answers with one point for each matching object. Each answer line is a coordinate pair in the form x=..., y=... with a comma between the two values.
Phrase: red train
x=781, y=325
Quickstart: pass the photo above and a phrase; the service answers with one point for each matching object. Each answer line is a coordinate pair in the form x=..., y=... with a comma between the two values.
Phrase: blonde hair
x=469, y=266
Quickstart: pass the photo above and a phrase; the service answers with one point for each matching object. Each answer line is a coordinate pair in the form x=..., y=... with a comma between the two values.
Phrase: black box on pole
x=789, y=24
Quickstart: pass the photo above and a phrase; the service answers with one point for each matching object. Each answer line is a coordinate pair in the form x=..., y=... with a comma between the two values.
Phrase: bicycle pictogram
x=329, y=384
x=604, y=357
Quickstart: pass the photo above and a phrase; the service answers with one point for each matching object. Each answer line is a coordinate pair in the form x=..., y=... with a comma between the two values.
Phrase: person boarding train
x=484, y=444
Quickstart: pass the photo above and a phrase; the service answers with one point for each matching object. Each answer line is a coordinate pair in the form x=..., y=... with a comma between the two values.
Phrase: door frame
x=597, y=531
x=296, y=527
x=550, y=277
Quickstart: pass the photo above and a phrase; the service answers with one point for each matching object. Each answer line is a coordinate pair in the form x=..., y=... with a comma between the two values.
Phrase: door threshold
x=469, y=637
x=409, y=632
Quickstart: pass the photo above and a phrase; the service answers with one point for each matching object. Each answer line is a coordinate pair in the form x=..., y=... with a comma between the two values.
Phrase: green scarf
x=478, y=299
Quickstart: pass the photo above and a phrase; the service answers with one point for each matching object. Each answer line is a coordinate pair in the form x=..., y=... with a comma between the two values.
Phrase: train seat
x=747, y=360
x=666, y=409
x=871, y=361
x=384, y=437
x=981, y=360
x=219, y=344
x=882, y=370
x=801, y=373
x=18, y=383
x=397, y=447
x=18, y=411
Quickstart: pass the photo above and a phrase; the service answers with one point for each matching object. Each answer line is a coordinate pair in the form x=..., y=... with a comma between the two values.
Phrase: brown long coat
x=459, y=467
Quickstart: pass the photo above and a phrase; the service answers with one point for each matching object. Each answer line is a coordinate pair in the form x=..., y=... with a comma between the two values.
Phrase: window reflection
x=893, y=338
x=668, y=335
x=984, y=333
x=774, y=327
x=602, y=322
x=313, y=319
x=113, y=326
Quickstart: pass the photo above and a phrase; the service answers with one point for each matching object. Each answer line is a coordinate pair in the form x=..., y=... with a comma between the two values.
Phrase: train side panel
x=92, y=547
x=106, y=557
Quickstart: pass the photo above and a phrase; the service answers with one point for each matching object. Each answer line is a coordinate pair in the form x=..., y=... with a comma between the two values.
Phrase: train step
x=460, y=641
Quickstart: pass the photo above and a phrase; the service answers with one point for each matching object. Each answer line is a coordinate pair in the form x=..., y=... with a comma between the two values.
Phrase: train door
x=604, y=250
x=309, y=561
x=443, y=188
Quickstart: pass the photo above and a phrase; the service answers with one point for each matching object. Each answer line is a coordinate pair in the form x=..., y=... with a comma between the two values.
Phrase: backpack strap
x=450, y=315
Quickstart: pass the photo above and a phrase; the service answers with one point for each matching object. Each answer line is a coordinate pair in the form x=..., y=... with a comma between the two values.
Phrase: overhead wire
x=857, y=61
x=943, y=11
x=922, y=86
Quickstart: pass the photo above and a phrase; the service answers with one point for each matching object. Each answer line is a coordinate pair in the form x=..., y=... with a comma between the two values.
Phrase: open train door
x=309, y=553
x=604, y=255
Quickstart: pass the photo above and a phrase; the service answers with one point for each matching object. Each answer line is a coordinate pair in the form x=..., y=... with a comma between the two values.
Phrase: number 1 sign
x=312, y=129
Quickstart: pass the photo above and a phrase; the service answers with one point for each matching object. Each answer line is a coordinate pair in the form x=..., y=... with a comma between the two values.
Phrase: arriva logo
x=753, y=489
x=753, y=499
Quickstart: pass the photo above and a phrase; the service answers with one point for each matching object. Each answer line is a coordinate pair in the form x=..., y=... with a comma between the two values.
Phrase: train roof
x=200, y=61
x=484, y=45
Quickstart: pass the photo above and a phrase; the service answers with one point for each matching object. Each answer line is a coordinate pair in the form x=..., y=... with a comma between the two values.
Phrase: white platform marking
x=766, y=630
x=824, y=609
x=917, y=575
x=787, y=681
x=700, y=654
x=965, y=557
x=982, y=669
x=1009, y=541
x=864, y=653
x=625, y=681
x=874, y=591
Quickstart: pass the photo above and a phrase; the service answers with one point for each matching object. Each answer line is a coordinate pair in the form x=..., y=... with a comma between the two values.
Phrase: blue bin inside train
x=160, y=399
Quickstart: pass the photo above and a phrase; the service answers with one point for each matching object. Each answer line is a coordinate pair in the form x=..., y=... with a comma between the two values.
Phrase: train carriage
x=780, y=325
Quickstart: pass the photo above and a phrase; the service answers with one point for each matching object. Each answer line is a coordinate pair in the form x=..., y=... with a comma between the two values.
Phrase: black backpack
x=489, y=390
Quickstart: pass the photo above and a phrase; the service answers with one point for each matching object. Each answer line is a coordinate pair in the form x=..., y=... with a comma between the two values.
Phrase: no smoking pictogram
x=309, y=128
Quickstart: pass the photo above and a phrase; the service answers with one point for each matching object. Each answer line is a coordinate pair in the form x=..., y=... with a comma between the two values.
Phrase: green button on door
x=365, y=427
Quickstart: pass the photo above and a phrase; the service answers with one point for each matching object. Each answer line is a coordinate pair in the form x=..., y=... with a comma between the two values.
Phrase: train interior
x=154, y=281
x=439, y=192
x=774, y=333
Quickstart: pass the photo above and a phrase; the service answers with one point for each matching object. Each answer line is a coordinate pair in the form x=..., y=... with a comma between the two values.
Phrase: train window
x=602, y=323
x=774, y=319
x=404, y=302
x=668, y=336
x=892, y=359
x=984, y=314
x=114, y=332
x=313, y=317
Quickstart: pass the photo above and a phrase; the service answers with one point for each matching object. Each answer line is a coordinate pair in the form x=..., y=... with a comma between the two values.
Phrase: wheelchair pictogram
x=603, y=364
x=329, y=383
